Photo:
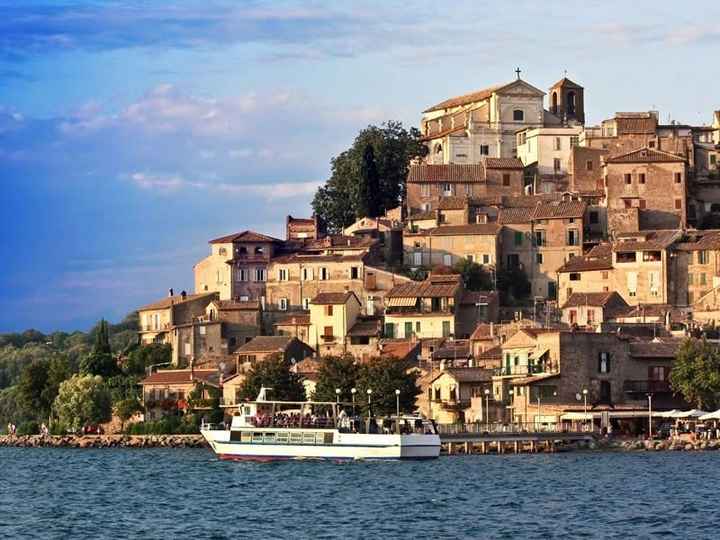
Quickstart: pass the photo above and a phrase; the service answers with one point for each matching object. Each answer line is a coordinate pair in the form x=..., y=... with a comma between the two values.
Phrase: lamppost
x=537, y=416
x=511, y=394
x=397, y=403
x=585, y=394
x=487, y=408
x=369, y=393
x=337, y=396
x=650, y=433
x=353, y=391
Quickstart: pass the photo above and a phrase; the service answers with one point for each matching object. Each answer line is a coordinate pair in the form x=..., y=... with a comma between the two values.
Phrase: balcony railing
x=524, y=371
x=155, y=328
x=646, y=387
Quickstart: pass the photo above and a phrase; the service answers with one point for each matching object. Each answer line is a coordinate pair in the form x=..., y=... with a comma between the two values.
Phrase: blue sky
x=133, y=132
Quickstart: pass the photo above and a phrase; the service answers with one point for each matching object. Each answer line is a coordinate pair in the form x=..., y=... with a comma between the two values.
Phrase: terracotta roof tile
x=309, y=258
x=294, y=320
x=560, y=210
x=447, y=173
x=366, y=328
x=465, y=230
x=466, y=99
x=181, y=376
x=598, y=258
x=244, y=236
x=430, y=288
x=493, y=353
x=646, y=155
x=235, y=305
x=634, y=123
x=645, y=240
x=468, y=374
x=453, y=203
x=326, y=298
x=654, y=349
x=515, y=216
x=266, y=344
x=169, y=301
x=503, y=163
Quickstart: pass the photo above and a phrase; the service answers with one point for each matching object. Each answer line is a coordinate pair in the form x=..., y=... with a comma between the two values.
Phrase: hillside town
x=613, y=229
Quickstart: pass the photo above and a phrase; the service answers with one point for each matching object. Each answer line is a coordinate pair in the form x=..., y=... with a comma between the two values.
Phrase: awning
x=711, y=416
x=401, y=302
x=692, y=413
x=543, y=352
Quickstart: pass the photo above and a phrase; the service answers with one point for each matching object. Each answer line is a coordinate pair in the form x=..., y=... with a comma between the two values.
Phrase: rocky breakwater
x=670, y=444
x=104, y=441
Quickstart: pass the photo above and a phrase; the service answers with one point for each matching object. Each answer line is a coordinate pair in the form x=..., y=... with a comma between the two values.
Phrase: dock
x=504, y=439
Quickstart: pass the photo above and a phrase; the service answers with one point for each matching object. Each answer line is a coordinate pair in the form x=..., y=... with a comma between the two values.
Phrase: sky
x=131, y=133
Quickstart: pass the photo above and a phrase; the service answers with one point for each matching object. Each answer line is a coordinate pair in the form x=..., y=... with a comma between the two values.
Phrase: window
x=486, y=258
x=354, y=272
x=556, y=164
x=469, y=258
x=678, y=178
x=328, y=332
x=604, y=275
x=259, y=250
x=324, y=274
x=641, y=178
x=571, y=103
x=691, y=279
x=506, y=179
x=306, y=303
x=484, y=150
x=678, y=204
x=243, y=274
x=518, y=115
x=390, y=330
x=594, y=218
x=589, y=165
x=447, y=260
x=573, y=237
x=446, y=188
x=632, y=283
x=702, y=279
x=702, y=257
x=307, y=274
x=713, y=159
x=539, y=258
x=518, y=238
x=641, y=204
x=282, y=274
x=628, y=178
x=604, y=362
x=654, y=282
x=468, y=189
x=259, y=274
x=283, y=304
x=408, y=329
x=446, y=328
x=590, y=316
x=540, y=238
x=513, y=260
x=557, y=143
x=575, y=276
x=417, y=258
x=425, y=190
x=574, y=141
x=329, y=310
x=222, y=251
x=651, y=144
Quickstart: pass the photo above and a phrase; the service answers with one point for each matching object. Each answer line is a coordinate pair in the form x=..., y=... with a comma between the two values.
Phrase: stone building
x=303, y=229
x=651, y=181
x=261, y=348
x=541, y=239
x=427, y=184
x=157, y=320
x=446, y=245
x=466, y=128
x=449, y=394
x=295, y=325
x=237, y=266
x=547, y=156
x=587, y=169
x=332, y=315
x=695, y=267
x=592, y=309
x=166, y=392
x=387, y=232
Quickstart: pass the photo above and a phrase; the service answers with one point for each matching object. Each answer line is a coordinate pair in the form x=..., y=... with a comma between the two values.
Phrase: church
x=468, y=128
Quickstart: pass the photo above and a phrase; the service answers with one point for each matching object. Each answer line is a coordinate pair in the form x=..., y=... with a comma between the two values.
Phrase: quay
x=503, y=438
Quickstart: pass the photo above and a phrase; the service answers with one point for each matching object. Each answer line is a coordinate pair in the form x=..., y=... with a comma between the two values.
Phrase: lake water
x=172, y=493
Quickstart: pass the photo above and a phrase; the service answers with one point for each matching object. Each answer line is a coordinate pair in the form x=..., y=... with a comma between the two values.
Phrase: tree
x=137, y=360
x=383, y=376
x=33, y=380
x=474, y=276
x=82, y=400
x=369, y=197
x=336, y=372
x=125, y=409
x=696, y=373
x=338, y=201
x=99, y=363
x=512, y=282
x=102, y=339
x=58, y=370
x=274, y=373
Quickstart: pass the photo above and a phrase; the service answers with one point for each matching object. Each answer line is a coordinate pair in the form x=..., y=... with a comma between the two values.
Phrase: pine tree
x=102, y=339
x=369, y=198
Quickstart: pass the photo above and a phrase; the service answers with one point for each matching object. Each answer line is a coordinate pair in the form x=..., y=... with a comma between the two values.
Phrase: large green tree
x=696, y=373
x=82, y=400
x=336, y=372
x=475, y=276
x=138, y=359
x=273, y=373
x=33, y=381
x=338, y=202
x=369, y=203
x=383, y=376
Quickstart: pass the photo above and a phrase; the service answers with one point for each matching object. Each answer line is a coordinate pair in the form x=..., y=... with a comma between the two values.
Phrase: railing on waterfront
x=479, y=428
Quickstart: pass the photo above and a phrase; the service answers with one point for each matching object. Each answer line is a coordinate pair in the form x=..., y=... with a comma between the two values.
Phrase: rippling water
x=172, y=493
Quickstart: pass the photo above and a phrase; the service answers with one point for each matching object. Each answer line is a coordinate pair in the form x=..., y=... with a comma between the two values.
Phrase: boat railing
x=207, y=426
x=515, y=427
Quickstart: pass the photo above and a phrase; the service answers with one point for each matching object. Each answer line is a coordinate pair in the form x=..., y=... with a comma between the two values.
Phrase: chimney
x=171, y=292
x=183, y=295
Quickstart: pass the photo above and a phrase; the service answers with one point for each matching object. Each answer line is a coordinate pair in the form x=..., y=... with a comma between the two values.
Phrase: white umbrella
x=692, y=413
x=665, y=414
x=711, y=416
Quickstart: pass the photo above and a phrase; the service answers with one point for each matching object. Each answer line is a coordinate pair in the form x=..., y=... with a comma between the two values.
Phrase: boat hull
x=345, y=446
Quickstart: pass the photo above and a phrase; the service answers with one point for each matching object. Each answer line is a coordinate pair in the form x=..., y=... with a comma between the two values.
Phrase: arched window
x=518, y=115
x=571, y=103
x=438, y=148
x=554, y=103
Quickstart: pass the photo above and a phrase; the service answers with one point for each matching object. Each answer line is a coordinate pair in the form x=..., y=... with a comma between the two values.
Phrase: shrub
x=31, y=427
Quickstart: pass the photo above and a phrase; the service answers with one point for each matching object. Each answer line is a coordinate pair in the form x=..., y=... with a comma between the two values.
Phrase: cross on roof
x=517, y=70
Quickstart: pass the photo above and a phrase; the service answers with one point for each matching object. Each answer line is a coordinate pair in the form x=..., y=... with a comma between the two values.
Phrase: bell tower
x=567, y=102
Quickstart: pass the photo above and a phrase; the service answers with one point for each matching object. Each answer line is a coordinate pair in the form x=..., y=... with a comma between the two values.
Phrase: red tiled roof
x=181, y=376
x=567, y=83
x=367, y=327
x=470, y=229
x=399, y=349
x=560, y=210
x=598, y=258
x=468, y=374
x=646, y=155
x=326, y=298
x=597, y=299
x=169, y=301
x=503, y=163
x=235, y=305
x=645, y=240
x=515, y=216
x=493, y=353
x=309, y=258
x=446, y=173
x=529, y=201
x=654, y=349
x=294, y=320
x=466, y=99
x=453, y=203
x=266, y=344
x=628, y=123
x=244, y=236
x=433, y=287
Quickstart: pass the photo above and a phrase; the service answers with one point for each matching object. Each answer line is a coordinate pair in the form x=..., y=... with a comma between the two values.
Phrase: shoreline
x=103, y=441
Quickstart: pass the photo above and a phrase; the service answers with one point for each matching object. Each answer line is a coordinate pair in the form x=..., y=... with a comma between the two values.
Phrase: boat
x=265, y=430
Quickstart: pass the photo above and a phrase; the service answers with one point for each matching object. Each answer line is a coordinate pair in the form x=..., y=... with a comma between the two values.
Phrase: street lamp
x=585, y=394
x=353, y=391
x=511, y=395
x=397, y=403
x=337, y=395
x=650, y=433
x=369, y=393
x=487, y=409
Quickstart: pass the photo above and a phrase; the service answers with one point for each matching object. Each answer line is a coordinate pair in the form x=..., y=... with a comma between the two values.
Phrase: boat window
x=247, y=411
x=235, y=435
x=257, y=437
x=282, y=437
x=308, y=438
x=328, y=438
x=295, y=438
x=269, y=437
x=246, y=436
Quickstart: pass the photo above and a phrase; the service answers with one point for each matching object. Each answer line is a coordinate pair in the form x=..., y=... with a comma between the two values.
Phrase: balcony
x=524, y=371
x=646, y=387
x=155, y=328
x=328, y=338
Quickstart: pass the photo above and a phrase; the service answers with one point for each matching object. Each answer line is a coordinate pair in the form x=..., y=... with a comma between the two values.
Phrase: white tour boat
x=266, y=430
